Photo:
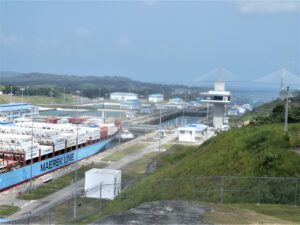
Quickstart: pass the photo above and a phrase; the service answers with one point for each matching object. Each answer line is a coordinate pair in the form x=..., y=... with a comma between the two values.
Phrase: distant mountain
x=9, y=74
x=91, y=86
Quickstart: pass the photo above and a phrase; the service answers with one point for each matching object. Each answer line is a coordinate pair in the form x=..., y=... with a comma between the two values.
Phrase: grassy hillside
x=260, y=151
x=35, y=99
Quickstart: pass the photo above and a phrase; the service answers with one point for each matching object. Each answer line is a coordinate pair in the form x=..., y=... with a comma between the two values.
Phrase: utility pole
x=31, y=153
x=64, y=94
x=160, y=131
x=76, y=166
x=207, y=112
x=286, y=110
x=22, y=89
x=11, y=89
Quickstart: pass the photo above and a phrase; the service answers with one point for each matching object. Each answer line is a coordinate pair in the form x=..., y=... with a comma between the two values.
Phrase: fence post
x=296, y=193
x=100, y=195
x=222, y=189
x=49, y=219
x=193, y=188
x=163, y=189
x=258, y=195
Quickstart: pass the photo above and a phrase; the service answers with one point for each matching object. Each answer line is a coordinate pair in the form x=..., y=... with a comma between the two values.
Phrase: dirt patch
x=162, y=212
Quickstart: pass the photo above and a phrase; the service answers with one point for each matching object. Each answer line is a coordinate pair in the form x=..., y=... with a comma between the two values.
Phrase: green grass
x=57, y=184
x=284, y=212
x=36, y=99
x=139, y=167
x=252, y=214
x=122, y=153
x=249, y=151
x=6, y=210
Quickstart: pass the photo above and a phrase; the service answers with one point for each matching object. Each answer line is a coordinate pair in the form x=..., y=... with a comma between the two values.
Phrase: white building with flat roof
x=123, y=96
x=12, y=111
x=191, y=132
x=102, y=183
x=156, y=98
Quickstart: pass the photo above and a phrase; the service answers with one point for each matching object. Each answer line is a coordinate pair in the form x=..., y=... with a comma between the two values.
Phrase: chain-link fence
x=212, y=189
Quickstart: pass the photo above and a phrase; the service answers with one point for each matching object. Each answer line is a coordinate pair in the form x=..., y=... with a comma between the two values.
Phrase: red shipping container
x=104, y=132
x=51, y=120
x=76, y=120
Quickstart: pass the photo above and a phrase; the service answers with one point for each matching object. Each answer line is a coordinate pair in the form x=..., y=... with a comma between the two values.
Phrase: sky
x=150, y=40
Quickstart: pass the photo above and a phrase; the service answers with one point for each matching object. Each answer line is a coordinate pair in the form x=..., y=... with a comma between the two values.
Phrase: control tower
x=218, y=97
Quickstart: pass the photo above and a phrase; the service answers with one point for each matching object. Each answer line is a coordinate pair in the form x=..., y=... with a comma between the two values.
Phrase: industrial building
x=156, y=98
x=12, y=111
x=123, y=96
x=218, y=97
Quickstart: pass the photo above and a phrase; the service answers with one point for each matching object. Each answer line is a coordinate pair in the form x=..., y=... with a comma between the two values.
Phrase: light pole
x=64, y=94
x=76, y=165
x=286, y=110
x=31, y=153
x=120, y=124
x=22, y=89
x=207, y=112
x=160, y=131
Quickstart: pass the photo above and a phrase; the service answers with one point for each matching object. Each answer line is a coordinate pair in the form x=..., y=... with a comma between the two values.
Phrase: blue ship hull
x=20, y=175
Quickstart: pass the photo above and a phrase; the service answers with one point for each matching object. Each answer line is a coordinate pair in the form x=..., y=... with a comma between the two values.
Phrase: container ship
x=30, y=149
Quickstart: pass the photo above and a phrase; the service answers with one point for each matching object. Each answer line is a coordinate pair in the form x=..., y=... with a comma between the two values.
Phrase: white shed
x=191, y=132
x=102, y=183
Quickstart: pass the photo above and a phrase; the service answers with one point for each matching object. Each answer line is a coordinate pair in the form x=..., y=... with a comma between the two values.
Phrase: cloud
x=123, y=42
x=45, y=44
x=82, y=31
x=10, y=40
x=268, y=6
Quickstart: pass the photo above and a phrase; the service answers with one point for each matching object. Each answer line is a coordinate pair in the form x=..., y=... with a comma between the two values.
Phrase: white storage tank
x=109, y=180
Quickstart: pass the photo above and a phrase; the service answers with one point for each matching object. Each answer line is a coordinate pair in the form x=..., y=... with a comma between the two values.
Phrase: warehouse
x=156, y=98
x=123, y=96
x=12, y=111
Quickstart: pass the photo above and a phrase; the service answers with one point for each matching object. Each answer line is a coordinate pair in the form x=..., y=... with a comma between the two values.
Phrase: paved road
x=35, y=207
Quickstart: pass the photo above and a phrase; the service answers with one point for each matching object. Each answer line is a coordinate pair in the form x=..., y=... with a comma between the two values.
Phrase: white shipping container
x=45, y=149
x=108, y=179
x=92, y=133
x=28, y=155
x=112, y=129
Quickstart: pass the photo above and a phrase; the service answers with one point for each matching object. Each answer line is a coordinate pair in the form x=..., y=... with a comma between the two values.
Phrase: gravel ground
x=160, y=212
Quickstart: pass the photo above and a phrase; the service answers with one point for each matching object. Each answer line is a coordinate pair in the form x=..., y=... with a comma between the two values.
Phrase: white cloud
x=82, y=31
x=45, y=44
x=268, y=6
x=123, y=42
x=10, y=40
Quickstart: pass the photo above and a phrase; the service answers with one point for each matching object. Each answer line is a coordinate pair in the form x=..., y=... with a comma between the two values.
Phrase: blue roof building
x=12, y=111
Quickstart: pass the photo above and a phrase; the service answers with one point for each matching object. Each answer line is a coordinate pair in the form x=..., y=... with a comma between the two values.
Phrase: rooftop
x=195, y=126
x=124, y=93
x=14, y=106
x=156, y=95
